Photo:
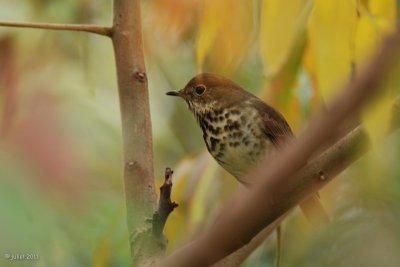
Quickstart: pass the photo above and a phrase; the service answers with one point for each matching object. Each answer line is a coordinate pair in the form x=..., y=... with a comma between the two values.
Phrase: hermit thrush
x=238, y=128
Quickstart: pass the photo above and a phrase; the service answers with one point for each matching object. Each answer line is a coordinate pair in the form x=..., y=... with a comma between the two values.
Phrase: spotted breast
x=234, y=138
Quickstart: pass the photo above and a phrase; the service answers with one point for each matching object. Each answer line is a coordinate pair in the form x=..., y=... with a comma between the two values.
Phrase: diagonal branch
x=97, y=29
x=279, y=184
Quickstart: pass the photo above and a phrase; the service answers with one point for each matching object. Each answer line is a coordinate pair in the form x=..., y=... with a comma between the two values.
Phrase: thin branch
x=97, y=29
x=279, y=186
x=165, y=205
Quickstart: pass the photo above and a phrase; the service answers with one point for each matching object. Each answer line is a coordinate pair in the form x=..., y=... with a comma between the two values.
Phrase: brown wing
x=278, y=130
x=275, y=126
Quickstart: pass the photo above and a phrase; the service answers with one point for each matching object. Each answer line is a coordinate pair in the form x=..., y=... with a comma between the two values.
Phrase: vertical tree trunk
x=136, y=126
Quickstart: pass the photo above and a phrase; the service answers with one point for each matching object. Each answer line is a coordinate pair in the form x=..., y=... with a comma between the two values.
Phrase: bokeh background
x=61, y=191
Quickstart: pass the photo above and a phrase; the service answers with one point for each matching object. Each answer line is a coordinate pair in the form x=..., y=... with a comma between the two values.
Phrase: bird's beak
x=175, y=93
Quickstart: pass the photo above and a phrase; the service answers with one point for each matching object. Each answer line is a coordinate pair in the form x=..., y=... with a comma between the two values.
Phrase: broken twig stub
x=165, y=205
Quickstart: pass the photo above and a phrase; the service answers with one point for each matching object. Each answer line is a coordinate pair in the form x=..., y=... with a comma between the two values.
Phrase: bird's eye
x=200, y=89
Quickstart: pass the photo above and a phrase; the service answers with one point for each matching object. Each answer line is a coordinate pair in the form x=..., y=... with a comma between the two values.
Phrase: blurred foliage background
x=61, y=191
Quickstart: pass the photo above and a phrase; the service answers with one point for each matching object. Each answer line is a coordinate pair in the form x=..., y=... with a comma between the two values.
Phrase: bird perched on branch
x=239, y=129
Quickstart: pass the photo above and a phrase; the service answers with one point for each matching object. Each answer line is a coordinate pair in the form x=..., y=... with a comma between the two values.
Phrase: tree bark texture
x=136, y=128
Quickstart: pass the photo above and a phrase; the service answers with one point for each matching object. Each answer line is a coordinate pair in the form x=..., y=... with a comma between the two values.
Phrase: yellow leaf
x=331, y=32
x=193, y=179
x=376, y=20
x=210, y=24
x=366, y=39
x=376, y=117
x=186, y=178
x=201, y=195
x=385, y=12
x=224, y=34
x=280, y=26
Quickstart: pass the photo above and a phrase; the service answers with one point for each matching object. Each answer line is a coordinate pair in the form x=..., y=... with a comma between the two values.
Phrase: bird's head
x=207, y=91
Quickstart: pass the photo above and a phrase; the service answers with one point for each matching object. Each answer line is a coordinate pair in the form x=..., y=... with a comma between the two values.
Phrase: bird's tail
x=314, y=211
